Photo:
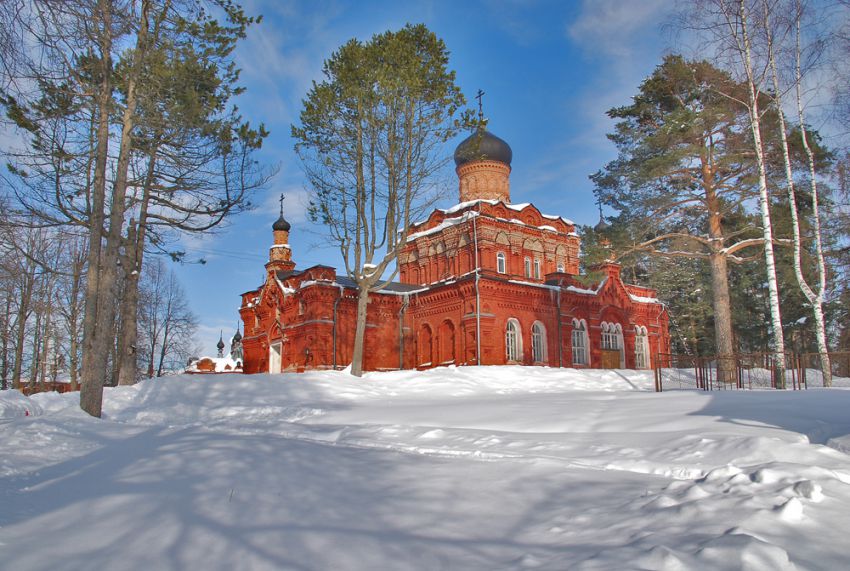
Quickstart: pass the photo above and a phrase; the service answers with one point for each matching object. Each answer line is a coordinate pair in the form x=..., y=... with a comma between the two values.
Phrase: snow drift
x=452, y=468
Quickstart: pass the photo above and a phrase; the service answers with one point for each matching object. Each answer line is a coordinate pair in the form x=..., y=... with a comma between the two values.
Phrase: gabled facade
x=484, y=282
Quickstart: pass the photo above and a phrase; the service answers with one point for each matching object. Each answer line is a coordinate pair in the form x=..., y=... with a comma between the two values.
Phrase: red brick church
x=484, y=282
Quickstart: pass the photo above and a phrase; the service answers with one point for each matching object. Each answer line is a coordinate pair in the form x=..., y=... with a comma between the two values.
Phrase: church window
x=528, y=267
x=513, y=342
x=579, y=342
x=538, y=342
x=537, y=268
x=612, y=339
x=560, y=266
x=501, y=266
x=642, y=360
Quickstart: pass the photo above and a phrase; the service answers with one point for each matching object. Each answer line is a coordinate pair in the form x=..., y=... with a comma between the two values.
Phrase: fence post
x=657, y=377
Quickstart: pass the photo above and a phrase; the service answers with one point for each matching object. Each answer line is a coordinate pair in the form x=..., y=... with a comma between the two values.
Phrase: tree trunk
x=722, y=306
x=721, y=302
x=817, y=303
x=91, y=390
x=36, y=351
x=47, y=338
x=20, y=338
x=4, y=366
x=73, y=322
x=764, y=203
x=129, y=308
x=163, y=350
x=360, y=332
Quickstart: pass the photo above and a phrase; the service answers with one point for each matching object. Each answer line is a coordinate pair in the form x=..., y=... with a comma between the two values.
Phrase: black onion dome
x=483, y=146
x=220, y=344
x=281, y=224
x=237, y=337
x=601, y=226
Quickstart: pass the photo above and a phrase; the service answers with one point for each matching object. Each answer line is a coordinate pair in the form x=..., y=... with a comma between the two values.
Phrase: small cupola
x=281, y=225
x=602, y=225
x=280, y=256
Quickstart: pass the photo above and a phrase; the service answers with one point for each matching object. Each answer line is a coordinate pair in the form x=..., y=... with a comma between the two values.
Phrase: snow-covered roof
x=643, y=299
x=443, y=225
x=222, y=365
x=519, y=207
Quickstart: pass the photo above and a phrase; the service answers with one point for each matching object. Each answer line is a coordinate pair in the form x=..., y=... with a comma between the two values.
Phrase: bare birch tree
x=370, y=140
x=774, y=31
x=729, y=25
x=83, y=121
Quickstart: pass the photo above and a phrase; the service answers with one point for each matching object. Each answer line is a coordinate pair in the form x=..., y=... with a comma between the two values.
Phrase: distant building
x=231, y=363
x=484, y=282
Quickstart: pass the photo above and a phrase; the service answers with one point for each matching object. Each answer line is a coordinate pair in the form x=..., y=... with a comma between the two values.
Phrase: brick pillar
x=280, y=256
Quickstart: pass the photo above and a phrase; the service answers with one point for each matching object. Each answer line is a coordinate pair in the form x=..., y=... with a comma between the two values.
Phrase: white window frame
x=537, y=268
x=538, y=342
x=513, y=340
x=579, y=340
x=528, y=267
x=642, y=356
x=501, y=263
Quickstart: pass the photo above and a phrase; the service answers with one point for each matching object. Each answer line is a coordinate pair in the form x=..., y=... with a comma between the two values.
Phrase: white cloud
x=614, y=26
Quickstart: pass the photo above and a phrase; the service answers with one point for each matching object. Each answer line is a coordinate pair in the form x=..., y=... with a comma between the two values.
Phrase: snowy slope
x=467, y=468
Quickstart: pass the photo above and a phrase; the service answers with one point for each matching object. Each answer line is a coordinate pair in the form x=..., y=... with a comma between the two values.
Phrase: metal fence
x=839, y=361
x=740, y=371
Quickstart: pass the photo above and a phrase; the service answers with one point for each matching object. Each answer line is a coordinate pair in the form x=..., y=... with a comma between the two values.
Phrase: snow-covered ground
x=468, y=468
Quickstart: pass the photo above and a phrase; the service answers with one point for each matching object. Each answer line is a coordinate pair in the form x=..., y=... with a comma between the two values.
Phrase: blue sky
x=550, y=70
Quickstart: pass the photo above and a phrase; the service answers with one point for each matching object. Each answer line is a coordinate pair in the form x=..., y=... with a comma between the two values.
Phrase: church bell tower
x=280, y=255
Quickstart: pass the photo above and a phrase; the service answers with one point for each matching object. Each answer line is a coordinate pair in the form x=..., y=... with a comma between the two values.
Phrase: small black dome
x=601, y=226
x=281, y=224
x=238, y=337
x=220, y=343
x=483, y=146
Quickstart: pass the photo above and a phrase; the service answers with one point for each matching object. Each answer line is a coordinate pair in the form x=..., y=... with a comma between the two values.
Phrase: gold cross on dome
x=479, y=97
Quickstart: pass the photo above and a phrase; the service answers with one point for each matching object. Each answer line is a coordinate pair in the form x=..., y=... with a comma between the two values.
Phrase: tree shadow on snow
x=820, y=415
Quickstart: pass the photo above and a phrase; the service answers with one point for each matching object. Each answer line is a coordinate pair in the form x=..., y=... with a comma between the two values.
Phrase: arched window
x=642, y=360
x=447, y=342
x=425, y=347
x=537, y=268
x=528, y=267
x=513, y=340
x=612, y=339
x=560, y=257
x=580, y=342
x=538, y=342
x=501, y=265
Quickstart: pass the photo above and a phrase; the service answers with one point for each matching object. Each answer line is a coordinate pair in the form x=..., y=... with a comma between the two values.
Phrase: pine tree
x=683, y=169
